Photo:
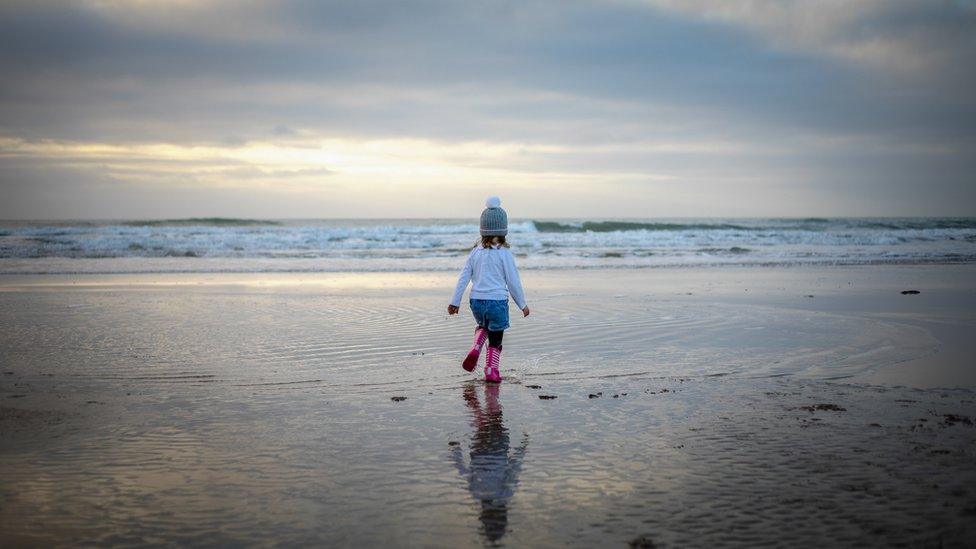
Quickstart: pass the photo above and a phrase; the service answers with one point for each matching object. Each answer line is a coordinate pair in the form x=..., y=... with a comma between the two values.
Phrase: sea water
x=376, y=245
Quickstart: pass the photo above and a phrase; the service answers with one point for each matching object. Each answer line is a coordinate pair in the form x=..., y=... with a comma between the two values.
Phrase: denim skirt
x=491, y=314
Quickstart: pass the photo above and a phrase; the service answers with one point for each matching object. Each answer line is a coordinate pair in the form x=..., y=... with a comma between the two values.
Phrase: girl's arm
x=513, y=280
x=462, y=282
x=515, y=463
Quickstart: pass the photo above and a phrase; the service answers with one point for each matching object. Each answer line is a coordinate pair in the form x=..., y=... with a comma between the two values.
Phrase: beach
x=689, y=406
x=234, y=235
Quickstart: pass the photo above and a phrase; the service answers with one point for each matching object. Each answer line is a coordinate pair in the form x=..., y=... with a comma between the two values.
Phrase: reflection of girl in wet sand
x=492, y=474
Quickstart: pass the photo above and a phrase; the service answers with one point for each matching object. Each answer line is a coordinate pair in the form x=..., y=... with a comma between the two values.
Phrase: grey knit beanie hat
x=494, y=220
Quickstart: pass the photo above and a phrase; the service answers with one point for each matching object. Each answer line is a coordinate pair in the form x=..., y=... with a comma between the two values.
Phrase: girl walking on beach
x=491, y=270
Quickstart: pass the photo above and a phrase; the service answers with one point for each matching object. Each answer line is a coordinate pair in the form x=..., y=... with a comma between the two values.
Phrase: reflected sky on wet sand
x=240, y=412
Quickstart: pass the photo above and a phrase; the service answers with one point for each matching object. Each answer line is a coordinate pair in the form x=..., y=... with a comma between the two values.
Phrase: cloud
x=596, y=95
x=916, y=36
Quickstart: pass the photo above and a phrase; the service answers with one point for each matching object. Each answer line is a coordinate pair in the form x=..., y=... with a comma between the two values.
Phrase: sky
x=369, y=108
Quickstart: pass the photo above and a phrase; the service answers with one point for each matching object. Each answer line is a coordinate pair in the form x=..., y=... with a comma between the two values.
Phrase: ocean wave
x=566, y=242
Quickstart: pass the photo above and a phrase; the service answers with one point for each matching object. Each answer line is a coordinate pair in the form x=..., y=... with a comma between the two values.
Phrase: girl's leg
x=494, y=356
x=470, y=361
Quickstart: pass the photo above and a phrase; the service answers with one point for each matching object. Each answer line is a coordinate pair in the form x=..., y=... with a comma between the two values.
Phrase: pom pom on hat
x=493, y=202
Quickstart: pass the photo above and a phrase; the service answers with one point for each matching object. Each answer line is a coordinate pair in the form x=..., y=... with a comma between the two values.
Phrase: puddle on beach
x=226, y=415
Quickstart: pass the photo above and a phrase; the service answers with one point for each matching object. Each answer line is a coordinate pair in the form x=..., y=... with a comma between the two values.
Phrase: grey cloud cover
x=816, y=103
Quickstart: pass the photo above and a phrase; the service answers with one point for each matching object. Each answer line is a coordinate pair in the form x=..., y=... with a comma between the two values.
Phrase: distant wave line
x=200, y=221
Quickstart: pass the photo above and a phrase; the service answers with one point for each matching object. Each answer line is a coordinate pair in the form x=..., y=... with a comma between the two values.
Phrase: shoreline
x=191, y=266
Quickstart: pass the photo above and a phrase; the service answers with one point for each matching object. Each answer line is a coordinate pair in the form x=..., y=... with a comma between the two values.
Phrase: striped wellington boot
x=491, y=365
x=470, y=361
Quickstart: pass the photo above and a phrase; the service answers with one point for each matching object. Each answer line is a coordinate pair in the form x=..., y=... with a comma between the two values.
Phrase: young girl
x=491, y=269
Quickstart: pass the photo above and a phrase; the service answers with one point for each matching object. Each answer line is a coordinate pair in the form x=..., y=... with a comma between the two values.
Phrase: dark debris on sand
x=398, y=398
x=643, y=541
x=952, y=419
x=826, y=407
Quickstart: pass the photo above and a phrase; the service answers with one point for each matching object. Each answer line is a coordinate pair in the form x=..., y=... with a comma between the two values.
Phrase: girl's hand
x=525, y=311
x=452, y=309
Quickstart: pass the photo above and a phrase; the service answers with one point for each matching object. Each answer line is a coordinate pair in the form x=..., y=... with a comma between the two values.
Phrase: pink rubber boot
x=491, y=365
x=470, y=361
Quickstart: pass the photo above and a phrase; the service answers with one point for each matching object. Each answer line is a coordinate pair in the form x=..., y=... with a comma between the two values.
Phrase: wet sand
x=693, y=407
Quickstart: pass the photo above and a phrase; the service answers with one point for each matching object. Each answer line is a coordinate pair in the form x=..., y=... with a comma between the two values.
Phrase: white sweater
x=493, y=275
